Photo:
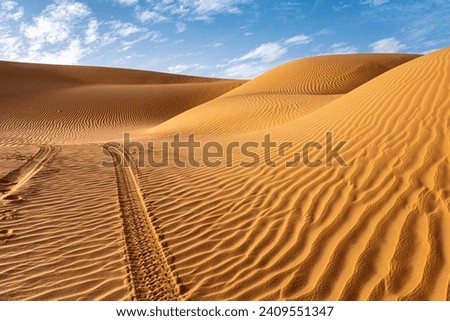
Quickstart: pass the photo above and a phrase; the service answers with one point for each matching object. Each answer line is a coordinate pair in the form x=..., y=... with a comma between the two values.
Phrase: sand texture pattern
x=375, y=228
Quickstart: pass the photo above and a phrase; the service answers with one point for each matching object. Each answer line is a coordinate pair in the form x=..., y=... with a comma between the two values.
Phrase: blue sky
x=222, y=38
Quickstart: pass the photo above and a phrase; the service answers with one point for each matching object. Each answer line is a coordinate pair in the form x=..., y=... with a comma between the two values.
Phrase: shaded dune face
x=375, y=229
x=62, y=104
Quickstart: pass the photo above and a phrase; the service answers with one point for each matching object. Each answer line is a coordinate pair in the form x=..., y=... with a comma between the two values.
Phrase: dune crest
x=71, y=104
x=283, y=94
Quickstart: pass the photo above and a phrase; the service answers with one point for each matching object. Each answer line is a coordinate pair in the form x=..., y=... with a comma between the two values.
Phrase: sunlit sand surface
x=376, y=229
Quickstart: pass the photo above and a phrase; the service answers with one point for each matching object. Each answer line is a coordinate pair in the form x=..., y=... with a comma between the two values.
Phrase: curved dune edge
x=282, y=95
x=375, y=229
x=72, y=104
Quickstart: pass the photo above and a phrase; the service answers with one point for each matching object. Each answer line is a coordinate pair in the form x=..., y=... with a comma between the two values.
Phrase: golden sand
x=376, y=229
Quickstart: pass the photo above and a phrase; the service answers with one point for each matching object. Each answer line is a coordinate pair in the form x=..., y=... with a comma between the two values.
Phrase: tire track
x=151, y=277
x=10, y=183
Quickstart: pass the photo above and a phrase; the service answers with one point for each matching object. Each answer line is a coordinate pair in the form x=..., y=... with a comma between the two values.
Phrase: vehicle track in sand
x=151, y=277
x=15, y=179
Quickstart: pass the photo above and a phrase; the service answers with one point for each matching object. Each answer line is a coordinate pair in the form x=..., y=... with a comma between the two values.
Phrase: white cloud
x=375, y=3
x=125, y=32
x=200, y=10
x=10, y=10
x=153, y=36
x=341, y=48
x=150, y=16
x=11, y=47
x=207, y=7
x=267, y=52
x=341, y=7
x=180, y=68
x=387, y=45
x=8, y=5
x=55, y=23
x=124, y=29
x=46, y=30
x=185, y=10
x=66, y=10
x=92, y=31
x=298, y=40
x=64, y=33
x=215, y=45
x=181, y=27
x=69, y=55
x=53, y=36
x=261, y=58
x=244, y=71
x=127, y=2
x=16, y=16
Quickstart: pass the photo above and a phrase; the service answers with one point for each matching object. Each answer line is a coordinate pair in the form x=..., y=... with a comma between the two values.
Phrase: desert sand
x=376, y=229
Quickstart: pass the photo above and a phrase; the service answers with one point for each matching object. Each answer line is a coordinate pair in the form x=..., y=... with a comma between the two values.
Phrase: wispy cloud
x=340, y=48
x=179, y=68
x=92, y=32
x=191, y=10
x=341, y=7
x=180, y=27
x=71, y=54
x=74, y=31
x=11, y=47
x=210, y=7
x=244, y=71
x=251, y=63
x=124, y=29
x=127, y=2
x=266, y=52
x=56, y=23
x=150, y=16
x=262, y=57
x=298, y=40
x=10, y=10
x=387, y=45
x=183, y=68
x=272, y=51
x=52, y=35
x=64, y=32
x=375, y=3
x=153, y=36
x=215, y=44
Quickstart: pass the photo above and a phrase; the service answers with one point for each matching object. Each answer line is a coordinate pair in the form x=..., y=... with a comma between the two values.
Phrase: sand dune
x=374, y=229
x=62, y=104
x=282, y=94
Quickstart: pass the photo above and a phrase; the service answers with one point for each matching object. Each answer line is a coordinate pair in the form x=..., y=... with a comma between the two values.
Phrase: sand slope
x=62, y=104
x=282, y=94
x=375, y=229
x=65, y=228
